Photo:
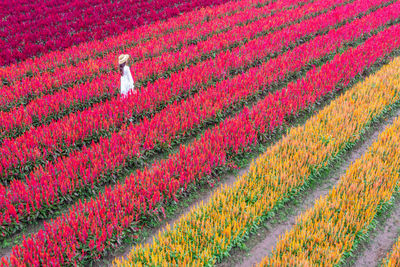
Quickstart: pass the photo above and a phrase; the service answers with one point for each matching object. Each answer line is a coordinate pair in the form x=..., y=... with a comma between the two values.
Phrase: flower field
x=86, y=173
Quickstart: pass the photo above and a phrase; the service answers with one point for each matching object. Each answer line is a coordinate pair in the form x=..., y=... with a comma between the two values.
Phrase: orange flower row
x=210, y=230
x=393, y=257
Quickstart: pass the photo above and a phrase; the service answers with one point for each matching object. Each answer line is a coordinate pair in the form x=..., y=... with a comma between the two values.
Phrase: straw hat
x=123, y=58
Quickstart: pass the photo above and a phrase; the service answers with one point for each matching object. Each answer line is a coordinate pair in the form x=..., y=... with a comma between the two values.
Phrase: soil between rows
x=372, y=252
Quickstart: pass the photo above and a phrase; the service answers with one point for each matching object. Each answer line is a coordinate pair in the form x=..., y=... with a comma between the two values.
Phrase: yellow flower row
x=209, y=231
x=326, y=234
x=393, y=257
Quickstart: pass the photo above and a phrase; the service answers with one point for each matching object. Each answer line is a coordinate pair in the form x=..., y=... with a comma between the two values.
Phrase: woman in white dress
x=127, y=84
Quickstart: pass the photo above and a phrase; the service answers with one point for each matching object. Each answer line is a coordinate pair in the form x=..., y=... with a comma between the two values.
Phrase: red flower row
x=24, y=35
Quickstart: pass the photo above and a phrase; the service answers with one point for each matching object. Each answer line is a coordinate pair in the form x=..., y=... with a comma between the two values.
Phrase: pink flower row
x=139, y=35
x=46, y=187
x=29, y=88
x=112, y=114
x=82, y=21
x=22, y=11
x=94, y=226
x=22, y=118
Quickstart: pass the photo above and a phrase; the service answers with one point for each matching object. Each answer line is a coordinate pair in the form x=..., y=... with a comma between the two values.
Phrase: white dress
x=126, y=81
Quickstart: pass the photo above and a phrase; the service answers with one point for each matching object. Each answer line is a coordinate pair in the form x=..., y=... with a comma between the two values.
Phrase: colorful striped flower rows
x=95, y=226
x=393, y=257
x=28, y=89
x=23, y=151
x=210, y=230
x=171, y=124
x=327, y=233
x=98, y=48
x=65, y=23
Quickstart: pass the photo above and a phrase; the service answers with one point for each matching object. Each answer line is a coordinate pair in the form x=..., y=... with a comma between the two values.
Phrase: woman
x=127, y=84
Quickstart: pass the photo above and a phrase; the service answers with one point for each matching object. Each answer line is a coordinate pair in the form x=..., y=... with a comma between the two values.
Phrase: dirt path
x=381, y=240
x=261, y=243
x=31, y=229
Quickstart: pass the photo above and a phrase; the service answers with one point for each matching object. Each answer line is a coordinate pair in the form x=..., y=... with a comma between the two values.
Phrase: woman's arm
x=129, y=75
